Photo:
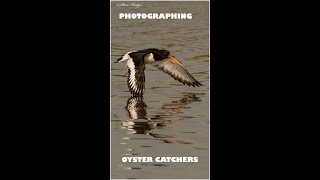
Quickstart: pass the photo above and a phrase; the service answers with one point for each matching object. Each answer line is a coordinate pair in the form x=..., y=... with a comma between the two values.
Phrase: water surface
x=171, y=119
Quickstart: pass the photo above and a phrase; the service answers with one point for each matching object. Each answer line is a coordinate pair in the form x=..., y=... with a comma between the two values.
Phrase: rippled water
x=171, y=119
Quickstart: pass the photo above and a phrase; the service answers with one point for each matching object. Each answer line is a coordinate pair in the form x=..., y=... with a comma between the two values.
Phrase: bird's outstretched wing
x=136, y=77
x=174, y=68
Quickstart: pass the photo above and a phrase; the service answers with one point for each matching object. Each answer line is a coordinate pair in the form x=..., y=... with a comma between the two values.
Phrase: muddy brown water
x=172, y=119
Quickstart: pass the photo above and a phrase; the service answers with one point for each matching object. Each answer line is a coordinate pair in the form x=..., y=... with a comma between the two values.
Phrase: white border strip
x=110, y=89
x=158, y=0
x=209, y=92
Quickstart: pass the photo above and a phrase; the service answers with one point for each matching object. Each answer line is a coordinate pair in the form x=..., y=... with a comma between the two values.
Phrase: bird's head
x=160, y=54
x=166, y=54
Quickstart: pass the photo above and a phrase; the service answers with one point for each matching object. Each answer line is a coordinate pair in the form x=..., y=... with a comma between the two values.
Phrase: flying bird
x=136, y=61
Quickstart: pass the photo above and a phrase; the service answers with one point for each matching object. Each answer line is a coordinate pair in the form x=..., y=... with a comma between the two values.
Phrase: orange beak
x=173, y=59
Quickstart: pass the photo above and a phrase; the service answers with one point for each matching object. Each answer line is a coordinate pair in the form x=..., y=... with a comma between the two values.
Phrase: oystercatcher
x=161, y=59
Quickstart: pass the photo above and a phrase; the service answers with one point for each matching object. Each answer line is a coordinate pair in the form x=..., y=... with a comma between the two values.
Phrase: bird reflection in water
x=140, y=123
x=136, y=108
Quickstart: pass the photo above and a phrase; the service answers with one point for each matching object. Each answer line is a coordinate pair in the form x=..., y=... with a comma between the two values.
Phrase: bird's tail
x=118, y=60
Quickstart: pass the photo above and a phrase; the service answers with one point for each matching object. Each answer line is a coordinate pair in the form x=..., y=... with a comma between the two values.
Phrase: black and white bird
x=161, y=59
